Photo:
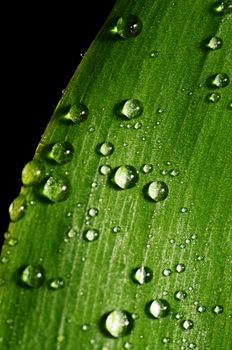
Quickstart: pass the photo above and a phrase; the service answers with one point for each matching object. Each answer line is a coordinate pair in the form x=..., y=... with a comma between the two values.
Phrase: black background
x=41, y=46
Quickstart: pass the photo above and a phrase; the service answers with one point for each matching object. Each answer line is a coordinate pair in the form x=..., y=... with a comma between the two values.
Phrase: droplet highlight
x=187, y=325
x=214, y=97
x=129, y=26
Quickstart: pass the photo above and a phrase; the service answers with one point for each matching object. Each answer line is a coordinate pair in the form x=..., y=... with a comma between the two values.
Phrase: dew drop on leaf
x=230, y=105
x=116, y=229
x=156, y=191
x=166, y=340
x=93, y=212
x=214, y=97
x=56, y=283
x=214, y=43
x=180, y=295
x=106, y=149
x=61, y=152
x=187, y=324
x=158, y=308
x=91, y=235
x=142, y=274
x=223, y=7
x=180, y=267
x=201, y=309
x=128, y=26
x=77, y=113
x=17, y=208
x=125, y=176
x=217, y=309
x=167, y=272
x=33, y=173
x=131, y=108
x=118, y=323
x=147, y=168
x=220, y=80
x=12, y=242
x=56, y=188
x=32, y=275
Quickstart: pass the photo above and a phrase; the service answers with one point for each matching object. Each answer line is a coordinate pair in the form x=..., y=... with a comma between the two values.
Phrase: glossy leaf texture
x=120, y=237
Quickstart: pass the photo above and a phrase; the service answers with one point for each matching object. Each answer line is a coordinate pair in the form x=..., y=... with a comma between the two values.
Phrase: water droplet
x=184, y=210
x=129, y=26
x=118, y=323
x=105, y=169
x=93, y=212
x=174, y=172
x=60, y=338
x=166, y=340
x=187, y=324
x=180, y=295
x=223, y=7
x=220, y=80
x=125, y=176
x=116, y=229
x=72, y=232
x=61, y=152
x=17, y=208
x=156, y=191
x=56, y=188
x=85, y=327
x=128, y=345
x=56, y=283
x=166, y=272
x=192, y=346
x=180, y=267
x=33, y=173
x=77, y=113
x=142, y=274
x=201, y=309
x=217, y=309
x=230, y=105
x=106, y=149
x=214, y=97
x=131, y=108
x=158, y=308
x=32, y=275
x=214, y=43
x=12, y=242
x=137, y=126
x=91, y=235
x=154, y=54
x=147, y=168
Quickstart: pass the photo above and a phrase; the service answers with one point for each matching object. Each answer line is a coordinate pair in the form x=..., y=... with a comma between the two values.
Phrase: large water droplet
x=56, y=188
x=56, y=283
x=77, y=113
x=33, y=173
x=93, y=212
x=214, y=97
x=131, y=108
x=106, y=149
x=158, y=308
x=129, y=26
x=142, y=274
x=17, y=208
x=91, y=235
x=187, y=324
x=61, y=152
x=214, y=43
x=118, y=323
x=220, y=80
x=125, y=176
x=156, y=191
x=32, y=275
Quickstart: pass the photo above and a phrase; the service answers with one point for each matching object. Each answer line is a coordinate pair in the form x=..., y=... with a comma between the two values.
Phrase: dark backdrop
x=41, y=47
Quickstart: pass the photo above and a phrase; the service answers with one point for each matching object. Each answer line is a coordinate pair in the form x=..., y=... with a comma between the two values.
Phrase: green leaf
x=140, y=256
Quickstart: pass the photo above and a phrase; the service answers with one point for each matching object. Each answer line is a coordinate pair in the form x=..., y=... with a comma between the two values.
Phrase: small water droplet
x=116, y=229
x=91, y=235
x=93, y=212
x=180, y=268
x=77, y=113
x=142, y=274
x=33, y=173
x=158, y=308
x=217, y=309
x=166, y=340
x=154, y=54
x=85, y=327
x=137, y=126
x=167, y=272
x=105, y=169
x=230, y=105
x=128, y=345
x=180, y=295
x=174, y=172
x=106, y=149
x=214, y=97
x=156, y=191
x=125, y=176
x=32, y=275
x=17, y=208
x=56, y=283
x=223, y=7
x=184, y=210
x=187, y=324
x=214, y=43
x=201, y=309
x=128, y=26
x=56, y=188
x=61, y=152
x=72, y=232
x=192, y=346
x=220, y=80
x=12, y=242
x=131, y=108
x=118, y=323
x=147, y=168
